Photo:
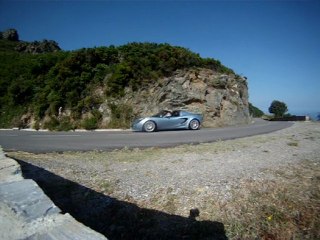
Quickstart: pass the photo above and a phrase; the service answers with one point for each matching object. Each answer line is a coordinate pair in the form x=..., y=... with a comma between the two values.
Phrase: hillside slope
x=109, y=86
x=222, y=98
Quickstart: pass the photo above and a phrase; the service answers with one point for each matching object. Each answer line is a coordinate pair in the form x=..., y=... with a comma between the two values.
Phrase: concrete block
x=27, y=200
x=27, y=213
x=70, y=229
x=9, y=169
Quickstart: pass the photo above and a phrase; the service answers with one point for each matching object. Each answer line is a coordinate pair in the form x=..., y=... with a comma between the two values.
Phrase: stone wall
x=27, y=213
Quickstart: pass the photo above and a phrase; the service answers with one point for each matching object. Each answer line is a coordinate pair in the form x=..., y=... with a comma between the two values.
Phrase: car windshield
x=163, y=114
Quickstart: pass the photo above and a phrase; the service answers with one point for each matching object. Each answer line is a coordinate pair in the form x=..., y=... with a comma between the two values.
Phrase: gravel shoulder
x=205, y=176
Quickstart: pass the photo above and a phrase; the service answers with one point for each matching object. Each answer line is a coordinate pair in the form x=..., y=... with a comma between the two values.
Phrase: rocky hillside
x=107, y=87
x=222, y=98
x=45, y=46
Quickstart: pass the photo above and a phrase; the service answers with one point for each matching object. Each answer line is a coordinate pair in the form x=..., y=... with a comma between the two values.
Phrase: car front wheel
x=149, y=126
x=194, y=124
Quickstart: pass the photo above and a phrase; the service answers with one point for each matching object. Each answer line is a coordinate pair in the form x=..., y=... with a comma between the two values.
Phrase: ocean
x=313, y=115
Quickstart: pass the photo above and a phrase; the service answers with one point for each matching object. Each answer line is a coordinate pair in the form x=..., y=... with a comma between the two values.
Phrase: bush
x=90, y=123
x=52, y=124
x=121, y=115
x=65, y=124
x=36, y=125
x=10, y=116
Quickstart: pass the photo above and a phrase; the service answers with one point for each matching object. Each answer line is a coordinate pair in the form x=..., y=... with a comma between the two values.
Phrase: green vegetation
x=293, y=144
x=254, y=111
x=39, y=84
x=121, y=115
x=278, y=108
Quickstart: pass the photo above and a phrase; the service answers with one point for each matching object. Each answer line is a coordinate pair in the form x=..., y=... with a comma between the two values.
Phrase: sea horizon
x=312, y=114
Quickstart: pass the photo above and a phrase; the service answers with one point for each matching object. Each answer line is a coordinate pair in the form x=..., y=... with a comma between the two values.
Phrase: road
x=41, y=142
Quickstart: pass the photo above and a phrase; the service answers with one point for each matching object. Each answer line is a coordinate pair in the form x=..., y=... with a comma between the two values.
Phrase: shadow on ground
x=118, y=219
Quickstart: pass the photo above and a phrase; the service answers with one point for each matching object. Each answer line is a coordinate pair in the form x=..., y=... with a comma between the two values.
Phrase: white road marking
x=56, y=135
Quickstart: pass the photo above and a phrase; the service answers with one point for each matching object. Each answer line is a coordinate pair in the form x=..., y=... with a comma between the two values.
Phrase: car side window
x=175, y=114
x=168, y=114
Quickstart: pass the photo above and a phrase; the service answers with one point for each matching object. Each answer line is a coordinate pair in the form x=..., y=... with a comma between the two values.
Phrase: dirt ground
x=260, y=187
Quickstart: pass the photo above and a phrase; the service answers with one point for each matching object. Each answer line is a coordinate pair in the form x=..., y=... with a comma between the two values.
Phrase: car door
x=175, y=122
x=164, y=123
x=172, y=122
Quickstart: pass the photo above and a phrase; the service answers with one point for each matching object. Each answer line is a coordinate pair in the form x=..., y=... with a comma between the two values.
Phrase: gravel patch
x=178, y=179
x=212, y=168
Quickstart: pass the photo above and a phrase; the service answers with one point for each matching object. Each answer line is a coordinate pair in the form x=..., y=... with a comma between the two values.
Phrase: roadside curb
x=27, y=213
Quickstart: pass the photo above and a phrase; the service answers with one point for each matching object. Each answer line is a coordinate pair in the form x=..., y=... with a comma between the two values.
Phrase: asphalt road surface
x=41, y=142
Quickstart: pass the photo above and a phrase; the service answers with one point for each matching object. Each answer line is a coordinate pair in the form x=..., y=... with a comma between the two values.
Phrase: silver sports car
x=167, y=120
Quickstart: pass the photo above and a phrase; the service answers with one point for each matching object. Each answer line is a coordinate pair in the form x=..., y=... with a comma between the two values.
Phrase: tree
x=278, y=108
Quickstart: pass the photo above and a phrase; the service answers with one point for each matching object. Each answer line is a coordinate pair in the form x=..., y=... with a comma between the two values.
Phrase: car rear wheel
x=194, y=124
x=149, y=126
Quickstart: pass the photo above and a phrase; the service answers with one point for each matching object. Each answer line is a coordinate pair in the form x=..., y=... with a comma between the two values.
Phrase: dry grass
x=286, y=207
x=293, y=144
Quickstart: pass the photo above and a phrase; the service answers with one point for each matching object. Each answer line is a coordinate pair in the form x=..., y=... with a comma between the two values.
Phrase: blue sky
x=275, y=44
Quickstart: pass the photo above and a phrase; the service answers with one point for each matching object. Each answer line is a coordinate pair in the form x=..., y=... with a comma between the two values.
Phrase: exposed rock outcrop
x=221, y=98
x=45, y=46
x=35, y=47
x=10, y=35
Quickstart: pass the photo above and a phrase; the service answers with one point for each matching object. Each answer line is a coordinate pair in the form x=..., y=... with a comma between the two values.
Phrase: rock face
x=35, y=47
x=222, y=99
x=10, y=34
